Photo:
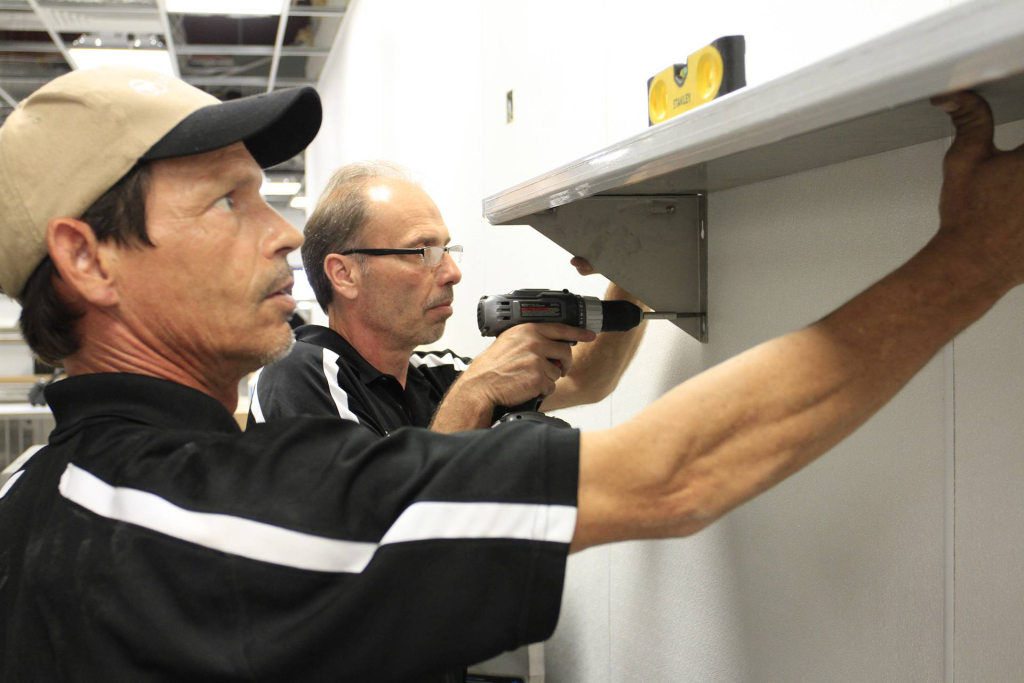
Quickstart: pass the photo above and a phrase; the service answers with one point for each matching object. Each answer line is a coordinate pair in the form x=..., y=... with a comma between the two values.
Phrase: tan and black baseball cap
x=70, y=141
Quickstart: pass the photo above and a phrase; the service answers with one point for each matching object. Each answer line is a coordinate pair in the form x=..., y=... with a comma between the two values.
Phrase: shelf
x=869, y=99
x=637, y=209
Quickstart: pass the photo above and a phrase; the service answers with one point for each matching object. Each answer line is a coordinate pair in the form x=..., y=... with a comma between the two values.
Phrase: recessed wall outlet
x=509, y=111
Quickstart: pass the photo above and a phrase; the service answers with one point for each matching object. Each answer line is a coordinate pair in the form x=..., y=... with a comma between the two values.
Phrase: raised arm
x=597, y=367
x=732, y=432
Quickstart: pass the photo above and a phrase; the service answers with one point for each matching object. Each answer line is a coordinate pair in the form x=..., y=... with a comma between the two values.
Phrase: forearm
x=736, y=430
x=599, y=365
x=462, y=409
x=519, y=366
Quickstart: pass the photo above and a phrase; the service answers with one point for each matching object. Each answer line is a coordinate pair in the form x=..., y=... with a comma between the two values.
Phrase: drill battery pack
x=710, y=72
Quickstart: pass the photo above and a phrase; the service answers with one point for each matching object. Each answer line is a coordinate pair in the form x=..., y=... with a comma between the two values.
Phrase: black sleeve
x=444, y=599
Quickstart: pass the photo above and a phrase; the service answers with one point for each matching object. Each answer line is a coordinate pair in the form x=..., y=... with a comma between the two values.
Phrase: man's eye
x=226, y=203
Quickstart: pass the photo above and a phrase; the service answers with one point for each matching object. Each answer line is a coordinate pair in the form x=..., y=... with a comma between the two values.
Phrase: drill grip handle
x=531, y=406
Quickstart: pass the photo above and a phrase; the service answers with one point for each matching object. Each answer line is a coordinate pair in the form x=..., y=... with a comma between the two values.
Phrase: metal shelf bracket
x=653, y=246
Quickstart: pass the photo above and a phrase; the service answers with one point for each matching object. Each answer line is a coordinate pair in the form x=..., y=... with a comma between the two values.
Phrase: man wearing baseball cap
x=151, y=540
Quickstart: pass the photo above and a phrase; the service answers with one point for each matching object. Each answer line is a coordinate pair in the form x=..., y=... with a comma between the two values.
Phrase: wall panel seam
x=949, y=579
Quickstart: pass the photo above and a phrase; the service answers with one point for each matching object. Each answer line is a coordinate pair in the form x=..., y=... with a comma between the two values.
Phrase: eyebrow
x=235, y=176
x=242, y=178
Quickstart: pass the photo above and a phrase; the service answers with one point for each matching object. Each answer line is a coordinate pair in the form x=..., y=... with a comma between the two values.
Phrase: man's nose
x=283, y=236
x=448, y=271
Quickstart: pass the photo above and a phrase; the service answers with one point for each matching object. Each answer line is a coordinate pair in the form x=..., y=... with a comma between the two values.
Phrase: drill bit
x=669, y=315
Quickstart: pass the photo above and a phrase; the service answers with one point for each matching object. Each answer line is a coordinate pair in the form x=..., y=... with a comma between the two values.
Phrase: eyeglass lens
x=433, y=255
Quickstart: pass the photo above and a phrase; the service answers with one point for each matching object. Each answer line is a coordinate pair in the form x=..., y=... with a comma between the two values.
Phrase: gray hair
x=336, y=225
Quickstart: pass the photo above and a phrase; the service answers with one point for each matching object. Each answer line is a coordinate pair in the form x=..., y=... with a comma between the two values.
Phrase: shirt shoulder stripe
x=19, y=462
x=10, y=482
x=228, y=534
x=337, y=393
x=432, y=360
x=254, y=399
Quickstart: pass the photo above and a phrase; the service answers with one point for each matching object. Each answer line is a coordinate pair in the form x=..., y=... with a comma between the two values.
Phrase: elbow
x=687, y=497
x=605, y=389
x=670, y=504
x=597, y=391
x=684, y=513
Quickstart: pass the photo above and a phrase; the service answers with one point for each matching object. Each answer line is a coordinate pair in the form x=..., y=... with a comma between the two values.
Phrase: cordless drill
x=496, y=313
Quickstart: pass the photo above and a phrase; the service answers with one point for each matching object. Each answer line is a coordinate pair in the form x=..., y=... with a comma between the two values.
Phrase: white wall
x=846, y=571
x=15, y=359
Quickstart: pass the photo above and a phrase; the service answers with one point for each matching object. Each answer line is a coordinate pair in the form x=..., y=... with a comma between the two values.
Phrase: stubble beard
x=240, y=363
x=255, y=360
x=379, y=319
x=435, y=331
x=431, y=334
x=280, y=351
x=396, y=339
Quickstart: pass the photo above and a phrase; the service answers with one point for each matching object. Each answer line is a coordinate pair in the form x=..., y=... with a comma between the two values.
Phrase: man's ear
x=344, y=274
x=86, y=265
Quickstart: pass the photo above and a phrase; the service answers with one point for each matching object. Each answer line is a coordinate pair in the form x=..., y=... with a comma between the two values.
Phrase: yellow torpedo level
x=708, y=73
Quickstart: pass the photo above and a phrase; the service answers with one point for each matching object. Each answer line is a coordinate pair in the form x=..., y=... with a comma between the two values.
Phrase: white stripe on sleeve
x=337, y=393
x=232, y=535
x=10, y=483
x=429, y=520
x=254, y=398
x=421, y=521
x=432, y=360
x=20, y=461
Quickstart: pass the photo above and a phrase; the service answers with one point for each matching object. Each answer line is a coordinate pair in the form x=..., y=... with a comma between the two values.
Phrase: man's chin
x=432, y=334
x=273, y=352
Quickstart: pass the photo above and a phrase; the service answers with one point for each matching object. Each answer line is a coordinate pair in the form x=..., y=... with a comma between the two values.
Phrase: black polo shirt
x=151, y=540
x=325, y=376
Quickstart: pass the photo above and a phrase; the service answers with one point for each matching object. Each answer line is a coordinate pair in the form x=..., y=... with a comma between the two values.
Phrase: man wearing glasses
x=378, y=257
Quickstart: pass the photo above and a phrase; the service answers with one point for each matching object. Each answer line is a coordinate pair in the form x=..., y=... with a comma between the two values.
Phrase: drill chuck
x=621, y=316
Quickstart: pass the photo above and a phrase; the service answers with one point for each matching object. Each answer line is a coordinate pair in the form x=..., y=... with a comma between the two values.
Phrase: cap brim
x=274, y=127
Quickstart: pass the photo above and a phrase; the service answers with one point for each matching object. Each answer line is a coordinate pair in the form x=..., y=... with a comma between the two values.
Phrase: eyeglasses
x=431, y=255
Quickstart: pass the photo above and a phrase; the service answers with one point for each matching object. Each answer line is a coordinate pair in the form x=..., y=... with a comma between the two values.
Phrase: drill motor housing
x=496, y=313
